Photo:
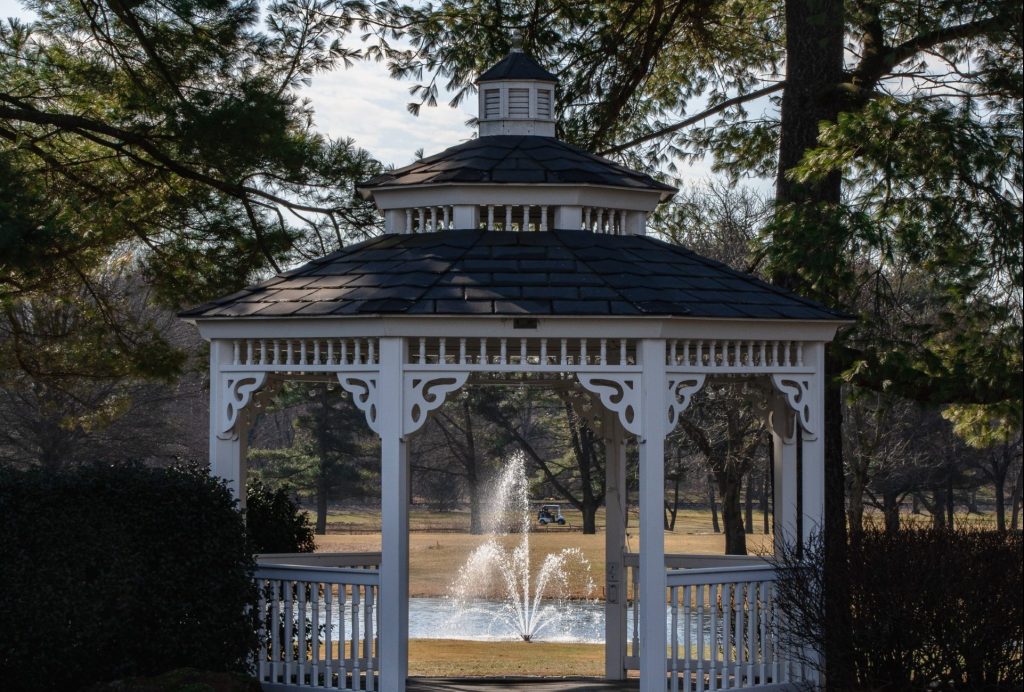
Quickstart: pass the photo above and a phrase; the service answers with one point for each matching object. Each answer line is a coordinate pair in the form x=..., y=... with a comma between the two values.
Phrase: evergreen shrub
x=112, y=572
x=275, y=522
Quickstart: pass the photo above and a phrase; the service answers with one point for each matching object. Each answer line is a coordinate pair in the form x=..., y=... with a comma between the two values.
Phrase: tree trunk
x=714, y=506
x=999, y=483
x=950, y=499
x=589, y=512
x=938, y=509
x=891, y=512
x=765, y=484
x=729, y=485
x=748, y=508
x=1015, y=500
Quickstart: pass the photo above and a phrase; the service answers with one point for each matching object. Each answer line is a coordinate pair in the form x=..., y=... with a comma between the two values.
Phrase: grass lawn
x=456, y=658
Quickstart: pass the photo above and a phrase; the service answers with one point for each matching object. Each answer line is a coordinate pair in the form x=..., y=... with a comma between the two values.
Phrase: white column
x=568, y=218
x=654, y=413
x=636, y=223
x=466, y=217
x=784, y=454
x=394, y=221
x=812, y=489
x=615, y=500
x=225, y=454
x=394, y=510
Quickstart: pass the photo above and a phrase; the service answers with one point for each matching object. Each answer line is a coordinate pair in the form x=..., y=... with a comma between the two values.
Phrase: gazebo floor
x=520, y=685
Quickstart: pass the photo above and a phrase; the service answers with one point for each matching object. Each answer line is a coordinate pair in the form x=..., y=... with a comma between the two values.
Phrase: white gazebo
x=516, y=256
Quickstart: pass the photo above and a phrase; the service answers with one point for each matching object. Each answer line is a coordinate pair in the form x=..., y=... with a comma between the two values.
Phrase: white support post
x=812, y=491
x=636, y=223
x=615, y=502
x=394, y=221
x=394, y=510
x=225, y=449
x=785, y=498
x=466, y=217
x=568, y=218
x=653, y=579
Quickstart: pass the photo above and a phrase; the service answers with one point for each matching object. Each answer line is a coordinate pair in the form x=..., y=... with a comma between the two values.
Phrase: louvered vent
x=543, y=103
x=492, y=103
x=519, y=103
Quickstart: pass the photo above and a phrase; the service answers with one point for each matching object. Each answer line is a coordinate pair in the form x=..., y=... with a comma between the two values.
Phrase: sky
x=364, y=103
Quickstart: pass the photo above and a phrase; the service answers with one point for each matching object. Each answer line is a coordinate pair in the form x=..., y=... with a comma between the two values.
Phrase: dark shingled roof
x=516, y=159
x=517, y=65
x=563, y=273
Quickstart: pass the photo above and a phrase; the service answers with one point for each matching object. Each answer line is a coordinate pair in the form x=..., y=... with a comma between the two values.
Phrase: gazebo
x=517, y=256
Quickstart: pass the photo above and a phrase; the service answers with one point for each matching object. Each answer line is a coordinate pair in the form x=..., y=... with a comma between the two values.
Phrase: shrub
x=275, y=523
x=928, y=609
x=115, y=572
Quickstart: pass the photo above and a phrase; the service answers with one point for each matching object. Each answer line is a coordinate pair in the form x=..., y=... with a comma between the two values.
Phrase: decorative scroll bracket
x=425, y=392
x=237, y=390
x=362, y=387
x=619, y=393
x=796, y=389
x=681, y=389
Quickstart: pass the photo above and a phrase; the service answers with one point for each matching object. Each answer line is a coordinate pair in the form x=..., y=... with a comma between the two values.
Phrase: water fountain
x=528, y=603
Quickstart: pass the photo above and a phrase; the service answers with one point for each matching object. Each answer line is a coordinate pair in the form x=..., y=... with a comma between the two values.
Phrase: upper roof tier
x=516, y=159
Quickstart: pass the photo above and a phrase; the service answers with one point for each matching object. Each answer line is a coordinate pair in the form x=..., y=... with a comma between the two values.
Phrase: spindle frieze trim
x=425, y=392
x=737, y=355
x=304, y=354
x=237, y=390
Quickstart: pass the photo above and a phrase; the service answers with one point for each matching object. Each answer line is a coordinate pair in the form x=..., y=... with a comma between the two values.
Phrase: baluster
x=543, y=217
x=738, y=661
x=371, y=345
x=423, y=351
x=433, y=218
x=343, y=358
x=261, y=608
x=316, y=351
x=604, y=352
x=441, y=356
x=358, y=355
x=508, y=218
x=700, y=356
x=526, y=218
x=462, y=350
x=522, y=351
x=408, y=221
x=636, y=612
x=713, y=592
x=543, y=351
x=263, y=352
x=700, y=637
x=483, y=351
x=300, y=653
x=421, y=214
x=289, y=614
x=600, y=220
x=490, y=217
x=354, y=638
x=799, y=353
x=674, y=639
x=330, y=352
x=503, y=357
x=248, y=352
x=622, y=223
x=763, y=354
x=672, y=352
x=622, y=352
x=751, y=642
x=687, y=634
x=314, y=595
x=302, y=352
x=686, y=352
x=583, y=352
x=565, y=352
x=368, y=634
x=785, y=356
x=275, y=633
x=342, y=657
x=586, y=218
x=236, y=353
x=750, y=354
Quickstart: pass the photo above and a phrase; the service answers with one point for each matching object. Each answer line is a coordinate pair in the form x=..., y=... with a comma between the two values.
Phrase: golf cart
x=550, y=514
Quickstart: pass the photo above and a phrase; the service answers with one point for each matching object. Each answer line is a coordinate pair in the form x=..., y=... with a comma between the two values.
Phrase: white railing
x=711, y=354
x=526, y=352
x=318, y=621
x=283, y=353
x=722, y=625
x=429, y=219
x=514, y=217
x=509, y=217
x=600, y=220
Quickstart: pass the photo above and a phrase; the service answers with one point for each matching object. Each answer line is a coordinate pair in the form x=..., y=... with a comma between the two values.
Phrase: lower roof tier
x=476, y=272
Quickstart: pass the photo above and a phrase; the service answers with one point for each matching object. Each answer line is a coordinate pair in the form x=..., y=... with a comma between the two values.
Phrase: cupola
x=517, y=97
